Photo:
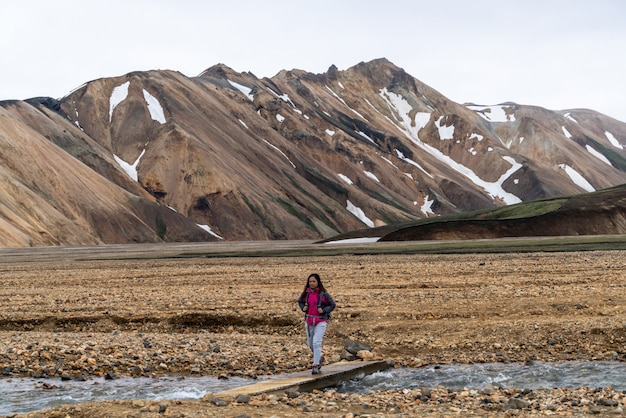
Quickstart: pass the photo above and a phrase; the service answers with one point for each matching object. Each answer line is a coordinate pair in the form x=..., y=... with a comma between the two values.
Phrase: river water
x=19, y=395
x=537, y=375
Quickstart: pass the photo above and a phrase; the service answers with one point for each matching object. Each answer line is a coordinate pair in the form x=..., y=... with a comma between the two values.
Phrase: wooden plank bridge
x=330, y=375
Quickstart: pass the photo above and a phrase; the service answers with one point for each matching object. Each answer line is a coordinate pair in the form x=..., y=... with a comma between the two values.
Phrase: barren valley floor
x=236, y=316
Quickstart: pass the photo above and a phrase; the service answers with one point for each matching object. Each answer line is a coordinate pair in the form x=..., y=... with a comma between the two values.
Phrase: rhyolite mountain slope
x=602, y=212
x=152, y=156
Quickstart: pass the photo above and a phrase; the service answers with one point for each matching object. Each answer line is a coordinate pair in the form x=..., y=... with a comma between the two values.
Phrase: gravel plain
x=68, y=318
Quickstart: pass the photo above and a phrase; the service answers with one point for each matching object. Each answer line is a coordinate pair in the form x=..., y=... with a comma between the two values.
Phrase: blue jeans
x=314, y=336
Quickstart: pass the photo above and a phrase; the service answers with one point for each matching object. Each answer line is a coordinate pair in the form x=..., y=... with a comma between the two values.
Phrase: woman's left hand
x=320, y=310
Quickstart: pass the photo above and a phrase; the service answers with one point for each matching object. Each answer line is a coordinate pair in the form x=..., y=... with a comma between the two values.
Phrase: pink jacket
x=311, y=297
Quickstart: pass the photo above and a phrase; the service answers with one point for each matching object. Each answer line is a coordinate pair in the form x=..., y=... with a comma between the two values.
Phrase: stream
x=20, y=395
x=596, y=374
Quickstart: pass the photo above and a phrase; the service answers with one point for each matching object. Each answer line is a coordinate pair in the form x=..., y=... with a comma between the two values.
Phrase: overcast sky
x=558, y=54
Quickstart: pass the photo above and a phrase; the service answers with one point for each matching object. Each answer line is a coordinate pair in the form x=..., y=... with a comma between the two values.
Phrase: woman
x=317, y=304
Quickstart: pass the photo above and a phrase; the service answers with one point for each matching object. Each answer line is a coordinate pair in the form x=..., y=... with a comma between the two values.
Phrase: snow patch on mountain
x=130, y=169
x=577, y=178
x=569, y=116
x=410, y=161
x=401, y=109
x=363, y=240
x=445, y=132
x=494, y=189
x=345, y=179
x=345, y=104
x=494, y=113
x=426, y=206
x=208, y=229
x=598, y=155
x=154, y=107
x=118, y=95
x=566, y=132
x=280, y=151
x=284, y=97
x=358, y=212
x=244, y=89
x=613, y=140
x=364, y=135
x=371, y=175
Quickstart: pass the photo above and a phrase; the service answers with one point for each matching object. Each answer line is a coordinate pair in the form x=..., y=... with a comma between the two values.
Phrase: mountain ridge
x=226, y=155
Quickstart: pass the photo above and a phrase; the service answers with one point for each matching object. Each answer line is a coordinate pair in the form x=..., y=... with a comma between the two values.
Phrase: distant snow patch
x=566, y=132
x=76, y=122
x=208, y=229
x=410, y=161
x=598, y=155
x=364, y=135
x=477, y=137
x=345, y=178
x=280, y=151
x=243, y=123
x=244, y=89
x=284, y=97
x=401, y=107
x=119, y=94
x=355, y=240
x=154, y=107
x=358, y=212
x=613, y=140
x=426, y=206
x=329, y=132
x=390, y=162
x=130, y=169
x=280, y=117
x=411, y=130
x=577, y=178
x=344, y=102
x=372, y=106
x=494, y=113
x=372, y=176
x=569, y=116
x=299, y=112
x=445, y=132
x=494, y=189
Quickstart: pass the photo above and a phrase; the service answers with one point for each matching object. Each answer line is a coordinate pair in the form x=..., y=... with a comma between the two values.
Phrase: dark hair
x=319, y=282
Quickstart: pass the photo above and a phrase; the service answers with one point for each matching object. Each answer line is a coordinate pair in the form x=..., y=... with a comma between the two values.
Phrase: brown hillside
x=599, y=213
x=297, y=156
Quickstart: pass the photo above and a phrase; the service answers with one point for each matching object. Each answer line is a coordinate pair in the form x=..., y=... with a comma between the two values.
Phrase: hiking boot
x=316, y=369
x=321, y=363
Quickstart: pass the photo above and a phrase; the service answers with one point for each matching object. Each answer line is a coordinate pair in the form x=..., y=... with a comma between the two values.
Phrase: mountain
x=597, y=213
x=158, y=156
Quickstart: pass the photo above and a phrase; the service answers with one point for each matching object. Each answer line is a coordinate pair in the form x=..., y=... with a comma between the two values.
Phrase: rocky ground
x=237, y=317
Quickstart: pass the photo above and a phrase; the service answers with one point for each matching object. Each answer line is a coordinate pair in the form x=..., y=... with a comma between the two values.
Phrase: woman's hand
x=320, y=310
x=306, y=308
